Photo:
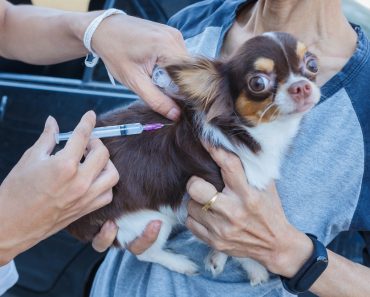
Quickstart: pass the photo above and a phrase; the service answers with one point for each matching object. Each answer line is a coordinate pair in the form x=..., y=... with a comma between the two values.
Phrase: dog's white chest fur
x=274, y=139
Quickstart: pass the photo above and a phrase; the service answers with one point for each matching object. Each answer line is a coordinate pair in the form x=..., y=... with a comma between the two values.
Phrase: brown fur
x=256, y=111
x=301, y=50
x=264, y=65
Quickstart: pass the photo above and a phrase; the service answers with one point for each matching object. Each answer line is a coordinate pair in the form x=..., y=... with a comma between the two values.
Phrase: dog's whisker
x=275, y=113
x=268, y=107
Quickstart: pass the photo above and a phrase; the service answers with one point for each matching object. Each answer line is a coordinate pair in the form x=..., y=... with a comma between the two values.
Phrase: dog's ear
x=200, y=83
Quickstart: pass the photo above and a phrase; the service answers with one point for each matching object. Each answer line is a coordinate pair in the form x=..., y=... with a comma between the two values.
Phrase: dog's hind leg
x=132, y=226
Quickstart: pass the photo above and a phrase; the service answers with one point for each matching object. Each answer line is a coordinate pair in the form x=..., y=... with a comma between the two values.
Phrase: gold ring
x=209, y=204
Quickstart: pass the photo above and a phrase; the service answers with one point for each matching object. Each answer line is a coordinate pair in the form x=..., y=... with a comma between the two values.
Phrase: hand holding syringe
x=159, y=78
x=114, y=131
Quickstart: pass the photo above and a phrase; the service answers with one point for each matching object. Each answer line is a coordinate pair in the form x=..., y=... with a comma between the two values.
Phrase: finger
x=208, y=219
x=102, y=185
x=145, y=241
x=232, y=169
x=100, y=201
x=174, y=47
x=166, y=59
x=202, y=192
x=157, y=100
x=86, y=205
x=97, y=157
x=46, y=142
x=198, y=230
x=76, y=145
x=105, y=238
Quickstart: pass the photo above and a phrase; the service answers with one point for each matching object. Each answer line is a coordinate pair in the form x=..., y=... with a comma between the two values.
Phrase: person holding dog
x=325, y=178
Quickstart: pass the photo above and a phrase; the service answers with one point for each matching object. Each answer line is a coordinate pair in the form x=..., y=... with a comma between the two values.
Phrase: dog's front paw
x=215, y=262
x=188, y=267
x=182, y=264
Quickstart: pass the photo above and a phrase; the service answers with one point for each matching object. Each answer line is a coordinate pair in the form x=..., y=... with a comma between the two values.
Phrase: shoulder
x=193, y=19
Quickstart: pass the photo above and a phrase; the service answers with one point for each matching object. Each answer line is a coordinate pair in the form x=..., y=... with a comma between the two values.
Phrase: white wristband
x=89, y=34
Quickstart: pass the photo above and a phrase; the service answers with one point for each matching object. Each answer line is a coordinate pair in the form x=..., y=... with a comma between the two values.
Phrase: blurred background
x=358, y=11
x=60, y=265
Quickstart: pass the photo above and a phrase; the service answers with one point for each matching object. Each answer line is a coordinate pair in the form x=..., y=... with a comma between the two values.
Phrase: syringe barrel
x=104, y=132
x=62, y=137
x=130, y=129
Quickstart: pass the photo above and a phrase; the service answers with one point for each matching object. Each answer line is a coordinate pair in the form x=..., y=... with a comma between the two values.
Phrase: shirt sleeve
x=8, y=277
x=194, y=18
x=358, y=89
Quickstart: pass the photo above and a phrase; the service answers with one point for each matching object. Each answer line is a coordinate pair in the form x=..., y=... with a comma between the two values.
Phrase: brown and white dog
x=250, y=104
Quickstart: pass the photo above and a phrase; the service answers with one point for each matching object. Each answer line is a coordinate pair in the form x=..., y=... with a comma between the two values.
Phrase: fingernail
x=156, y=225
x=91, y=113
x=111, y=225
x=173, y=114
x=49, y=124
x=48, y=120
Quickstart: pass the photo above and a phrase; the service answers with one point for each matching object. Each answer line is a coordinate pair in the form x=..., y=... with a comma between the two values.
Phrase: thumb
x=145, y=241
x=46, y=142
x=155, y=98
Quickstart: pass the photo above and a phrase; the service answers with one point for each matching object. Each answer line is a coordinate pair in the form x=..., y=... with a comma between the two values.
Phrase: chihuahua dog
x=250, y=104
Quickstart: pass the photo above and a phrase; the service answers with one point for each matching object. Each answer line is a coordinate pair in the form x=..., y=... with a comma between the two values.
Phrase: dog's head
x=270, y=77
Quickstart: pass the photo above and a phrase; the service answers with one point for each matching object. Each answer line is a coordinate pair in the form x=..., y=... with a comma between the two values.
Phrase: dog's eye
x=311, y=65
x=259, y=83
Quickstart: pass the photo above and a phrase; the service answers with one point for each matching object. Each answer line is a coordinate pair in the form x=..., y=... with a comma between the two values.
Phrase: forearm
x=343, y=278
x=11, y=240
x=41, y=35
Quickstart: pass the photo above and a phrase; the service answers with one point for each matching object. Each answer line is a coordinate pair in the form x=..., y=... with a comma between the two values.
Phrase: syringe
x=113, y=131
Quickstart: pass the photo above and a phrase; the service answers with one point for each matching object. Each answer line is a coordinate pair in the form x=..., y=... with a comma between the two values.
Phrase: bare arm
x=41, y=35
x=245, y=222
x=343, y=278
x=129, y=46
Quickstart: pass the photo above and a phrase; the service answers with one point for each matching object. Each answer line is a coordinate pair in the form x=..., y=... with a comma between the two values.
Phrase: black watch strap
x=310, y=271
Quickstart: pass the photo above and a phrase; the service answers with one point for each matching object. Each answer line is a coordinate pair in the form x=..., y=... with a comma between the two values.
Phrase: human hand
x=245, y=222
x=130, y=47
x=45, y=193
x=104, y=239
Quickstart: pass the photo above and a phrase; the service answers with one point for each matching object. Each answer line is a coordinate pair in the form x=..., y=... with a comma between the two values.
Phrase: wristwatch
x=310, y=271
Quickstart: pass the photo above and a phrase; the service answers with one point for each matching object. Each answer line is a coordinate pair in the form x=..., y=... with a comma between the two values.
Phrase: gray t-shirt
x=8, y=277
x=324, y=184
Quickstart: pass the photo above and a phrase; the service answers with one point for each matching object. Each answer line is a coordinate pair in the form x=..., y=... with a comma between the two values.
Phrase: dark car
x=60, y=265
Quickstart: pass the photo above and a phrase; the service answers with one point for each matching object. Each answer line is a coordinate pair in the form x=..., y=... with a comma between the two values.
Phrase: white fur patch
x=132, y=225
x=284, y=100
x=274, y=138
